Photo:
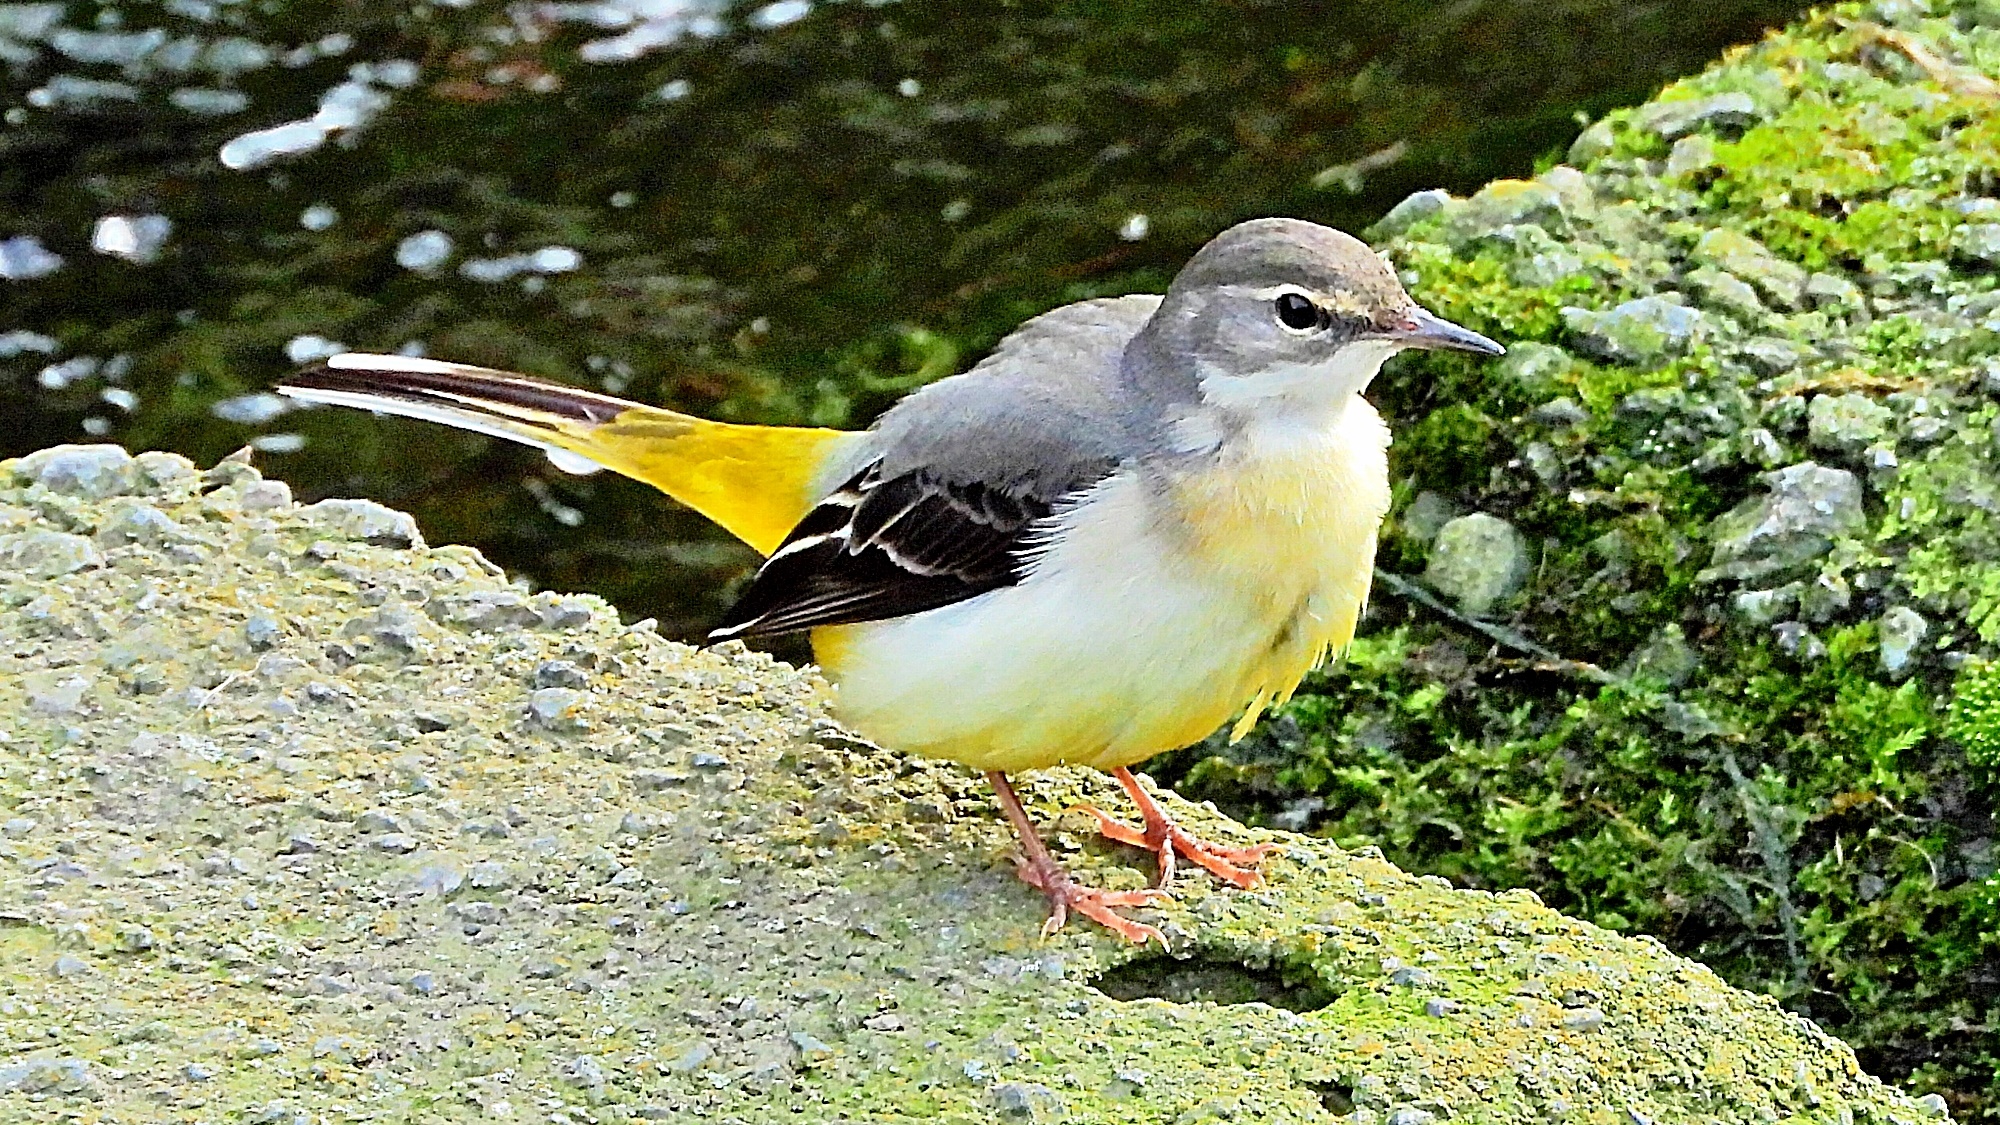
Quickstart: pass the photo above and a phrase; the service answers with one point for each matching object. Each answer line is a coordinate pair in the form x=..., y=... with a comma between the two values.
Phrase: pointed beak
x=1425, y=329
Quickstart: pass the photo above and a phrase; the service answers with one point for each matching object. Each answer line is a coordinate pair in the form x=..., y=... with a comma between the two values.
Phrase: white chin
x=1330, y=381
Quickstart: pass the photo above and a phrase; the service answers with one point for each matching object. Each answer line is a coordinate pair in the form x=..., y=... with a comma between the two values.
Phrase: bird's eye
x=1297, y=312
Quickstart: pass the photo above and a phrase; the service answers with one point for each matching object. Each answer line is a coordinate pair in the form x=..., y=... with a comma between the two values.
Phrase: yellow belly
x=1163, y=607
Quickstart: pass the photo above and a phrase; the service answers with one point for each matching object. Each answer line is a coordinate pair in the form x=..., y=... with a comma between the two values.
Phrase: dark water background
x=787, y=212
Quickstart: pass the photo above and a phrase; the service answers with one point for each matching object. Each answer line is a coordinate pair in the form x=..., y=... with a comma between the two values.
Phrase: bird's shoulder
x=1044, y=409
x=955, y=478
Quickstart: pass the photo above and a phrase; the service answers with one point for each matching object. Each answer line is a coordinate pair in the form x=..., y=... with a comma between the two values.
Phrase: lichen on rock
x=305, y=819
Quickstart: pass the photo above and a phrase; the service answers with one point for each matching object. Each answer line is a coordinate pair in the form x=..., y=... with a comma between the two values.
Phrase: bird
x=1137, y=517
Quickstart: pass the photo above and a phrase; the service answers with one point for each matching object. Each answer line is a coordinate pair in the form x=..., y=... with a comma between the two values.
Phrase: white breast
x=1161, y=607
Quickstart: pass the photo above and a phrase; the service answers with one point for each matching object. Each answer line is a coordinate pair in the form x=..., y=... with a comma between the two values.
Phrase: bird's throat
x=1318, y=390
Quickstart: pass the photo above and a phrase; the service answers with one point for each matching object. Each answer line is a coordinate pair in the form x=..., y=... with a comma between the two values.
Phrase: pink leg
x=1039, y=869
x=1163, y=837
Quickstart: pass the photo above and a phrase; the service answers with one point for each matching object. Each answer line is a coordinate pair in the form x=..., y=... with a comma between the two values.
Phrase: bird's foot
x=1166, y=839
x=1066, y=894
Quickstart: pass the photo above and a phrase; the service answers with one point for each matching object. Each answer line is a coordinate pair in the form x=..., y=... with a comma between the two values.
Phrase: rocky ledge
x=304, y=820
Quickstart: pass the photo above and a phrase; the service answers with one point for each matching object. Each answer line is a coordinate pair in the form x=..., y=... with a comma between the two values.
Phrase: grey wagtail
x=1138, y=516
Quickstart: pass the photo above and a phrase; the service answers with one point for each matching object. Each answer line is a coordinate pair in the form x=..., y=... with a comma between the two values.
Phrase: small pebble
x=1584, y=1019
x=377, y=820
x=694, y=1059
x=561, y=673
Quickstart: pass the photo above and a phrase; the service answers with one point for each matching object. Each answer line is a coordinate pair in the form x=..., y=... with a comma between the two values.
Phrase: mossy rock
x=1755, y=408
x=306, y=820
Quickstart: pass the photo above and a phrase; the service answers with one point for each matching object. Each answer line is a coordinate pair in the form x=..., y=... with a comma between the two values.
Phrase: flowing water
x=786, y=212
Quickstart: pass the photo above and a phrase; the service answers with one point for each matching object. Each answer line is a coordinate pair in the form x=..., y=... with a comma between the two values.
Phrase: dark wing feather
x=885, y=548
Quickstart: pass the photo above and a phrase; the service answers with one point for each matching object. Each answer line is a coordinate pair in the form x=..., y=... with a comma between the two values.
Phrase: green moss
x=1973, y=718
x=1787, y=807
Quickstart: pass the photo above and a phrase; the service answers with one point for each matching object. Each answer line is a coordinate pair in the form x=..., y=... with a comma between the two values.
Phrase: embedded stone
x=558, y=709
x=1666, y=658
x=1805, y=508
x=365, y=520
x=1507, y=203
x=1427, y=512
x=1478, y=561
x=1536, y=258
x=1825, y=598
x=1671, y=120
x=55, y=691
x=1411, y=210
x=1691, y=153
x=1795, y=639
x=1977, y=243
x=1593, y=144
x=1769, y=355
x=1760, y=446
x=1643, y=332
x=1719, y=289
x=164, y=472
x=135, y=521
x=265, y=495
x=1763, y=607
x=1560, y=413
x=93, y=471
x=1846, y=423
x=1830, y=291
x=1534, y=367
x=1899, y=632
x=1927, y=419
x=1782, y=282
x=45, y=553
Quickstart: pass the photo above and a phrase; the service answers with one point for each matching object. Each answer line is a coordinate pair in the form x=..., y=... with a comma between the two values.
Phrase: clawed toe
x=1166, y=839
x=1065, y=895
x=1039, y=869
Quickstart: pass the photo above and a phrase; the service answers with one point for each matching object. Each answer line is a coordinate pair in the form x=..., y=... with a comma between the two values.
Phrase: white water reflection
x=779, y=14
x=56, y=376
x=21, y=340
x=424, y=251
x=135, y=238
x=205, y=102
x=251, y=409
x=24, y=258
x=305, y=349
x=349, y=105
x=648, y=24
x=549, y=259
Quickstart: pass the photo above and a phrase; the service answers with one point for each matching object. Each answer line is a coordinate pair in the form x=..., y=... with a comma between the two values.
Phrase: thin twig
x=1776, y=855
x=1511, y=638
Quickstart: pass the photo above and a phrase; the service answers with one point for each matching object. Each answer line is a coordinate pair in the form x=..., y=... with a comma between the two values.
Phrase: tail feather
x=756, y=481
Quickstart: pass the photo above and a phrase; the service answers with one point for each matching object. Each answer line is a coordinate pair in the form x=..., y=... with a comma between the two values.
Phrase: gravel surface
x=303, y=820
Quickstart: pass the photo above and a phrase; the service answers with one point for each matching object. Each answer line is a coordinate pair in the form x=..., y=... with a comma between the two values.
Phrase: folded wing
x=880, y=548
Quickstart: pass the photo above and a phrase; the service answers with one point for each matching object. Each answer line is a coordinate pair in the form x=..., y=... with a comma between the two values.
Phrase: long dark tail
x=756, y=481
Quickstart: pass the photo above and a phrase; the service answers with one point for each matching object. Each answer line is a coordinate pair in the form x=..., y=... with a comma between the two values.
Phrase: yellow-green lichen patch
x=294, y=828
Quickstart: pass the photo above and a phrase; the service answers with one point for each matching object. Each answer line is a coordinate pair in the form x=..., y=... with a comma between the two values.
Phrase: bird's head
x=1284, y=314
